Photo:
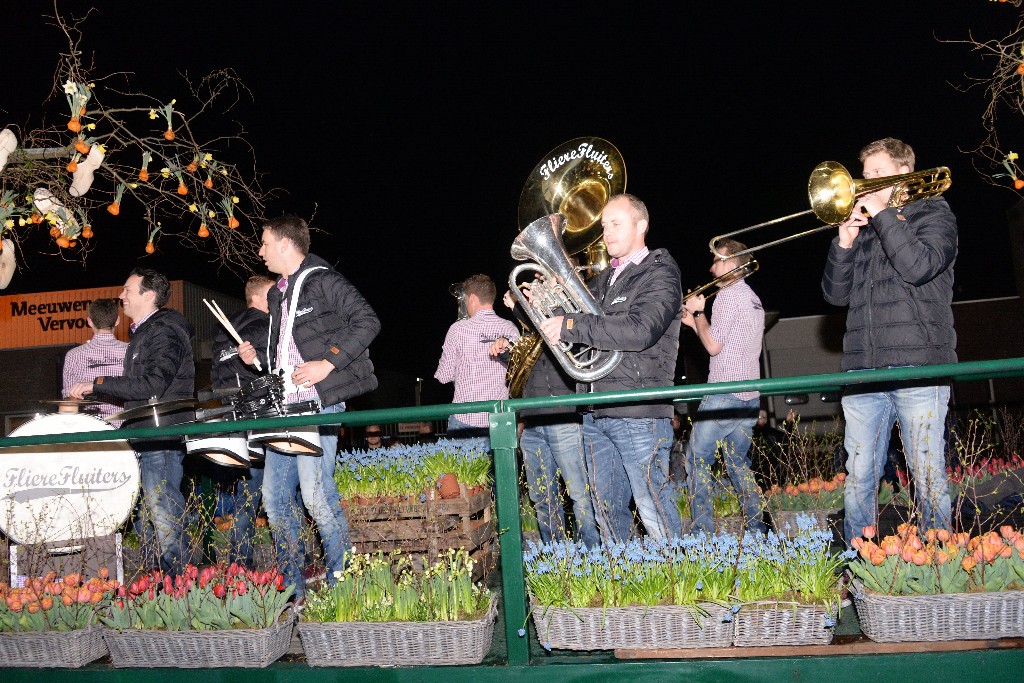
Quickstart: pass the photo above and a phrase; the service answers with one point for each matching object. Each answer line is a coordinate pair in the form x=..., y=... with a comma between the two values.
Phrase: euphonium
x=559, y=290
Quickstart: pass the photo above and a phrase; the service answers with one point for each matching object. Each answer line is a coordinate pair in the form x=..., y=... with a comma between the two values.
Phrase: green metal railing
x=502, y=422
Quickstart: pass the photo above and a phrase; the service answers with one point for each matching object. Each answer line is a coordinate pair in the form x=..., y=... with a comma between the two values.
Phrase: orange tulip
x=878, y=557
x=968, y=563
x=892, y=545
x=869, y=531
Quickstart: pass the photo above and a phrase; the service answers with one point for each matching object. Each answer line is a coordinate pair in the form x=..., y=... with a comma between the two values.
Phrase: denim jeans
x=475, y=437
x=161, y=472
x=870, y=415
x=553, y=448
x=247, y=498
x=313, y=475
x=628, y=457
x=723, y=421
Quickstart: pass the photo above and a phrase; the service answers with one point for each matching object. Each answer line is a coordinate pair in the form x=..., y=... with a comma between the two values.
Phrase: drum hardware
x=154, y=409
x=72, y=405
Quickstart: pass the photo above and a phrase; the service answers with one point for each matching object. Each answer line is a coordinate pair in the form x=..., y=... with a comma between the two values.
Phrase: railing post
x=506, y=481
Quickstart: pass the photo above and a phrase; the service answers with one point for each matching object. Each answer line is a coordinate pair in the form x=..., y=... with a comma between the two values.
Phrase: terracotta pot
x=449, y=487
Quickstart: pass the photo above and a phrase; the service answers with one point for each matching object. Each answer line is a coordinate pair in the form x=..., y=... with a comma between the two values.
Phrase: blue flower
x=547, y=646
x=735, y=609
x=522, y=632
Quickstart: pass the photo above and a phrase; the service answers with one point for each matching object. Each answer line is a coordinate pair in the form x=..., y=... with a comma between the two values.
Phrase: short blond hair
x=899, y=151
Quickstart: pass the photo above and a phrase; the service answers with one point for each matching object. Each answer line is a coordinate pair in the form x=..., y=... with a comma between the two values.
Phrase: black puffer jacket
x=334, y=322
x=897, y=280
x=253, y=325
x=548, y=379
x=157, y=365
x=642, y=317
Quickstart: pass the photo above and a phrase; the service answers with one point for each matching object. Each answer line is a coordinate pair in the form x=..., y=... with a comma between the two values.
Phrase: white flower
x=70, y=87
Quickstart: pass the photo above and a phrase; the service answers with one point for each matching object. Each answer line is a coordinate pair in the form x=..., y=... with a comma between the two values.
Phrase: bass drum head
x=63, y=492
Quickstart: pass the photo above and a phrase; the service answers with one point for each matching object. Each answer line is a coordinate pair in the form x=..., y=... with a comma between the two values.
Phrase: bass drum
x=59, y=493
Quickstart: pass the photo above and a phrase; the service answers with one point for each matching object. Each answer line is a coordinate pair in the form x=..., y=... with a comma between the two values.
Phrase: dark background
x=410, y=128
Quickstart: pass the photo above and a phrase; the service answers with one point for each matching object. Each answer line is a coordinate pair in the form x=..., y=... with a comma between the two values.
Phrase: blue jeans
x=247, y=498
x=313, y=475
x=553, y=447
x=161, y=472
x=628, y=457
x=474, y=437
x=723, y=421
x=870, y=415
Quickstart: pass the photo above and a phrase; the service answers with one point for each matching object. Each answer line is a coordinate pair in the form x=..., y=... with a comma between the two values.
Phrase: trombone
x=833, y=193
x=738, y=273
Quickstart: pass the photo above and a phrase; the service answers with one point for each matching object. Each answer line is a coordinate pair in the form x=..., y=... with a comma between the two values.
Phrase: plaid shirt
x=101, y=356
x=737, y=323
x=637, y=256
x=288, y=357
x=478, y=376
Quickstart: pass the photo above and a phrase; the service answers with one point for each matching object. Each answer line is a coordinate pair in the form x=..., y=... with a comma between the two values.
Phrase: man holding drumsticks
x=320, y=332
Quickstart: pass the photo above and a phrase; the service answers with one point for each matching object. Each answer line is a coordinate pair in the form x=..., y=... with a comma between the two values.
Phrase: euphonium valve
x=558, y=290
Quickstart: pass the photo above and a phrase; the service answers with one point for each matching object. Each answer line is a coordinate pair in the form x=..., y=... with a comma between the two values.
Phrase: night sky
x=411, y=128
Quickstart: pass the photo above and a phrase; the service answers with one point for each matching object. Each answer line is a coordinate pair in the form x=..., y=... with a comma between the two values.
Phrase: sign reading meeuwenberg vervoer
x=51, y=318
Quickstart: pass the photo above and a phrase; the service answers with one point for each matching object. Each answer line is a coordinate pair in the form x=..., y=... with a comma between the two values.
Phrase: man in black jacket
x=893, y=268
x=627, y=445
x=227, y=371
x=158, y=366
x=552, y=447
x=320, y=332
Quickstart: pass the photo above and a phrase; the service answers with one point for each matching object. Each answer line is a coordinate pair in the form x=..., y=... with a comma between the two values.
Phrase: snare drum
x=63, y=492
x=229, y=449
x=290, y=440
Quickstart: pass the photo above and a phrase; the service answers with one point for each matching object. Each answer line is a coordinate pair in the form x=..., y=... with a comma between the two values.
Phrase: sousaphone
x=575, y=179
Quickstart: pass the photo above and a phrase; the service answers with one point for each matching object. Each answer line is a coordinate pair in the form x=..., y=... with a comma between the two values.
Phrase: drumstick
x=223, y=320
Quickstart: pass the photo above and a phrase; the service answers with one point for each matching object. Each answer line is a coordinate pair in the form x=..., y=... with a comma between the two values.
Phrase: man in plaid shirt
x=472, y=358
x=103, y=355
x=733, y=340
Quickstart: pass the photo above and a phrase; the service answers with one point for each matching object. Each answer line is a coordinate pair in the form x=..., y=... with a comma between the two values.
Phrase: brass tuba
x=558, y=290
x=575, y=179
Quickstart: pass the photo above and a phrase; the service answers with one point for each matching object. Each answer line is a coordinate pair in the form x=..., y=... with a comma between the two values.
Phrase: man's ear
x=643, y=226
x=90, y=323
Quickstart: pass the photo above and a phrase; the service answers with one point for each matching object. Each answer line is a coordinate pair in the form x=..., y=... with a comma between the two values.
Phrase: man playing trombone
x=892, y=266
x=733, y=340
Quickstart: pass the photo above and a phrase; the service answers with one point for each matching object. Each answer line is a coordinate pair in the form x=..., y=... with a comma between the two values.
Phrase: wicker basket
x=52, y=649
x=398, y=643
x=951, y=616
x=766, y=623
x=639, y=628
x=248, y=648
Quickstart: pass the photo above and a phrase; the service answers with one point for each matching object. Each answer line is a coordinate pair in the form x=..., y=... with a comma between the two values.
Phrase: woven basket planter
x=398, y=643
x=248, y=648
x=766, y=623
x=634, y=628
x=951, y=616
x=52, y=649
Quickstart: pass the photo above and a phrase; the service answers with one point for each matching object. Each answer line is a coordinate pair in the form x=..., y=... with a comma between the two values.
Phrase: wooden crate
x=427, y=528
